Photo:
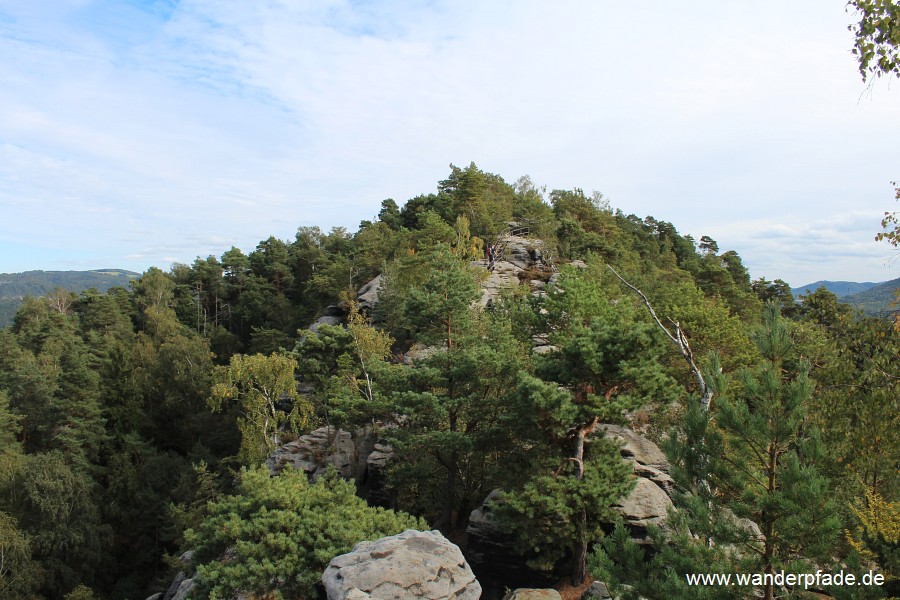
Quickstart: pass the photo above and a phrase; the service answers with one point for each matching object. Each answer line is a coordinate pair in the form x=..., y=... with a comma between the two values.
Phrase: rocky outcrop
x=517, y=255
x=333, y=315
x=646, y=505
x=647, y=460
x=413, y=564
x=182, y=585
x=367, y=296
x=358, y=456
x=597, y=591
x=419, y=351
x=649, y=502
x=314, y=452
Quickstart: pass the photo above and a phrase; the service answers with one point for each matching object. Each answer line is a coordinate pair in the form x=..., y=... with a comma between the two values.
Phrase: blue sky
x=144, y=133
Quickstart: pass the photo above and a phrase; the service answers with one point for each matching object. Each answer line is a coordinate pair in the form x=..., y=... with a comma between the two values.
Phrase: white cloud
x=126, y=130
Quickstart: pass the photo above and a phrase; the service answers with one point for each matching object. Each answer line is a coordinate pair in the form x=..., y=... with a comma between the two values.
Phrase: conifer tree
x=282, y=532
x=771, y=451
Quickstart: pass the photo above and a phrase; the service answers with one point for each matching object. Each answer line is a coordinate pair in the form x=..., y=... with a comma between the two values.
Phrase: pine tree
x=771, y=451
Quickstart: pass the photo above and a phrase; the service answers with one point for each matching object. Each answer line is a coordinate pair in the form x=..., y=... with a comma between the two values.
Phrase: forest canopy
x=135, y=421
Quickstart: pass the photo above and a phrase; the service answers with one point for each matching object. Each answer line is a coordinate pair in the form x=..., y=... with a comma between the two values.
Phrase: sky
x=140, y=133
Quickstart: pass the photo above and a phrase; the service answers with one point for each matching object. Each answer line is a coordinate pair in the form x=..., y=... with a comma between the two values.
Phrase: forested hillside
x=879, y=300
x=135, y=424
x=874, y=299
x=15, y=286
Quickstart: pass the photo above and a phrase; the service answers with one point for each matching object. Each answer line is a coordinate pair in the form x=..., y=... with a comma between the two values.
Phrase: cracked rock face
x=315, y=451
x=413, y=564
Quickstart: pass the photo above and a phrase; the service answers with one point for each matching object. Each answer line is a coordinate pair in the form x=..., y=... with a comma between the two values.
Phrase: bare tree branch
x=680, y=340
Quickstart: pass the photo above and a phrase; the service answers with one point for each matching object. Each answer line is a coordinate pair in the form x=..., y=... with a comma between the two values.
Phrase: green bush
x=275, y=537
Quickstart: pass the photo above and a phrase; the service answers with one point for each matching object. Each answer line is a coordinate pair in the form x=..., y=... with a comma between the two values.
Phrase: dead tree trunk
x=680, y=340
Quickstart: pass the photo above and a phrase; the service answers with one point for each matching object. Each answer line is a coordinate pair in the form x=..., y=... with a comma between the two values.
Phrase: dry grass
x=570, y=592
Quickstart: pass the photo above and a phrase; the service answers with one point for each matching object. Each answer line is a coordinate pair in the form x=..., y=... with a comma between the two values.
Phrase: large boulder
x=504, y=275
x=367, y=296
x=647, y=460
x=332, y=315
x=413, y=564
x=650, y=500
x=325, y=320
x=636, y=447
x=646, y=505
x=522, y=252
x=597, y=591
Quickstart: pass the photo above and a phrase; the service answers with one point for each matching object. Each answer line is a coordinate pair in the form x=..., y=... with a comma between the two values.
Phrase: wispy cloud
x=127, y=128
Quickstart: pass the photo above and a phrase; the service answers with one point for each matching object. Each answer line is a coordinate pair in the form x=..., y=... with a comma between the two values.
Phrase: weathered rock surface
x=645, y=457
x=649, y=501
x=646, y=505
x=367, y=296
x=325, y=320
x=504, y=276
x=413, y=564
x=332, y=315
x=358, y=456
x=597, y=591
x=184, y=590
x=314, y=452
x=636, y=447
x=533, y=594
x=419, y=351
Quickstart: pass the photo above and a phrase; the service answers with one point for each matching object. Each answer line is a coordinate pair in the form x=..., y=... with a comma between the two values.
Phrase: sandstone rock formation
x=597, y=591
x=650, y=501
x=413, y=564
x=367, y=296
x=314, y=452
x=358, y=456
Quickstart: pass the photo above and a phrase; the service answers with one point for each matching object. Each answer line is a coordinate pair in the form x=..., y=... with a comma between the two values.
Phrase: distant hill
x=875, y=301
x=14, y=287
x=838, y=288
x=872, y=298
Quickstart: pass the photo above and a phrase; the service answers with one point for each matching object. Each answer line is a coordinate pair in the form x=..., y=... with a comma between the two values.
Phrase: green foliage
x=81, y=592
x=856, y=408
x=553, y=515
x=104, y=397
x=608, y=358
x=877, y=539
x=462, y=421
x=276, y=535
x=483, y=198
x=42, y=283
x=777, y=291
x=631, y=572
x=344, y=364
x=20, y=575
x=260, y=386
x=57, y=508
x=877, y=37
x=891, y=221
x=773, y=452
